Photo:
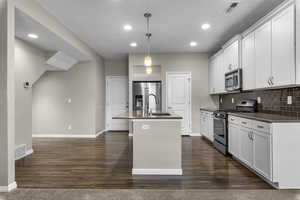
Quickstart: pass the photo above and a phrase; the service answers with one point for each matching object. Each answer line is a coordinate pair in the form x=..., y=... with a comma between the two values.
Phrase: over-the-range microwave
x=233, y=80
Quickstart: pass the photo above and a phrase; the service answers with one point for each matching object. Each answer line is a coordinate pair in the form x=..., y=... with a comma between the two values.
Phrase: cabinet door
x=212, y=80
x=248, y=62
x=263, y=55
x=234, y=49
x=210, y=127
x=262, y=155
x=234, y=140
x=283, y=48
x=204, y=125
x=220, y=74
x=246, y=153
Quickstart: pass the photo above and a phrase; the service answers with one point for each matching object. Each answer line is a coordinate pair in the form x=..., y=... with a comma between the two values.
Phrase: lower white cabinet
x=246, y=153
x=207, y=125
x=262, y=153
x=250, y=142
x=233, y=139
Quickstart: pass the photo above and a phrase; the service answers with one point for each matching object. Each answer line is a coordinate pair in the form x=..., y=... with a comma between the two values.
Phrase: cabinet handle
x=244, y=122
x=249, y=136
x=258, y=126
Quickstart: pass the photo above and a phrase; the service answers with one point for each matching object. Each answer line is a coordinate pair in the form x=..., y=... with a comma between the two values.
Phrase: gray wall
x=29, y=66
x=197, y=64
x=52, y=113
x=116, y=67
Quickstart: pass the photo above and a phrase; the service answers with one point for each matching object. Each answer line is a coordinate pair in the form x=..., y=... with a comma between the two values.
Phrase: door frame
x=107, y=79
x=189, y=74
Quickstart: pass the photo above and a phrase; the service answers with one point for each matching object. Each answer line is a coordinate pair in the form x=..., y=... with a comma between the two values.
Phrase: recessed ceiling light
x=193, y=44
x=133, y=44
x=205, y=26
x=127, y=27
x=33, y=36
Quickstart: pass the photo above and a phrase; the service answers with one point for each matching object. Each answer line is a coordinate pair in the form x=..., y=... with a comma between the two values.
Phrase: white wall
x=29, y=66
x=116, y=67
x=197, y=64
x=52, y=113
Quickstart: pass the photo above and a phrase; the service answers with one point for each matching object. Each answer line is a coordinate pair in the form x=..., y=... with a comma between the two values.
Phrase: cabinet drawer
x=234, y=120
x=246, y=123
x=262, y=127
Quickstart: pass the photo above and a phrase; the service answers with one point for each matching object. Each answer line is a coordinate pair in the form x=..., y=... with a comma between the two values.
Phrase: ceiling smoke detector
x=232, y=6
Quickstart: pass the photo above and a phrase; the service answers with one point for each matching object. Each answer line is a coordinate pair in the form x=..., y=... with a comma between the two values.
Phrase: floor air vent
x=20, y=151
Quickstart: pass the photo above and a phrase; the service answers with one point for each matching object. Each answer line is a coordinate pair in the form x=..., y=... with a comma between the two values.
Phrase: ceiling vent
x=233, y=5
x=61, y=61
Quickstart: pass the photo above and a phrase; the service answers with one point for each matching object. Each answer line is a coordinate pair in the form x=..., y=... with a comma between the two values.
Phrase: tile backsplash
x=272, y=101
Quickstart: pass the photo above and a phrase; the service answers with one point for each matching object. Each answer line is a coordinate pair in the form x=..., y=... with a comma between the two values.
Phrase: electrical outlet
x=258, y=100
x=232, y=100
x=70, y=127
x=69, y=100
x=289, y=100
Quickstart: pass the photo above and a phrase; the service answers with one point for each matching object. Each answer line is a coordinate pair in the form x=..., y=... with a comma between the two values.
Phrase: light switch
x=69, y=100
x=70, y=127
x=232, y=100
x=258, y=100
x=221, y=100
x=289, y=100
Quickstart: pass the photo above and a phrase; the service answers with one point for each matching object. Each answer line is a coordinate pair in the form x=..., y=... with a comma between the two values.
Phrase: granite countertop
x=269, y=118
x=209, y=109
x=140, y=115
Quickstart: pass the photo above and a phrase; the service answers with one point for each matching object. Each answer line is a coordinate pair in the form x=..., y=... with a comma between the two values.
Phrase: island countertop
x=141, y=115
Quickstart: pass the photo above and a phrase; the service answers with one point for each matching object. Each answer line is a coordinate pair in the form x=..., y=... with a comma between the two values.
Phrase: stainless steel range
x=221, y=123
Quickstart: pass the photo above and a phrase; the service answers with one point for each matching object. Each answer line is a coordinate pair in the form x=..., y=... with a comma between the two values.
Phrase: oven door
x=220, y=130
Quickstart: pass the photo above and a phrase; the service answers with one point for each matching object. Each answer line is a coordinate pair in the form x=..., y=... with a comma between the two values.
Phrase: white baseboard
x=28, y=152
x=196, y=135
x=157, y=171
x=100, y=133
x=64, y=136
x=8, y=188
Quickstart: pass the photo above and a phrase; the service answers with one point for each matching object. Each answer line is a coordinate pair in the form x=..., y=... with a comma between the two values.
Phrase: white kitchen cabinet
x=212, y=74
x=248, y=61
x=263, y=55
x=232, y=56
x=220, y=74
x=262, y=153
x=217, y=74
x=246, y=154
x=283, y=48
x=206, y=125
x=234, y=144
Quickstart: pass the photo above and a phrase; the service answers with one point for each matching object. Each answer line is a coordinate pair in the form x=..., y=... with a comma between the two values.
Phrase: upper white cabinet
x=283, y=48
x=263, y=55
x=268, y=52
x=217, y=74
x=231, y=56
x=248, y=62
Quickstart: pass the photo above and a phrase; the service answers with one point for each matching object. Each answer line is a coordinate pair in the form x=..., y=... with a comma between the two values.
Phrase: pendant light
x=148, y=59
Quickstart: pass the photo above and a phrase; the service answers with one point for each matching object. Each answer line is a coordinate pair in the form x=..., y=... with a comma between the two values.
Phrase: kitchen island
x=156, y=143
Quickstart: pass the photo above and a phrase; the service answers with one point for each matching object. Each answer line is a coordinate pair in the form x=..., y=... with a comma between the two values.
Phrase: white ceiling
x=174, y=23
x=47, y=40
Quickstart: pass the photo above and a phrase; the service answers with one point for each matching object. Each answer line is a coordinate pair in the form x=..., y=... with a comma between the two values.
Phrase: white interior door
x=116, y=102
x=179, y=98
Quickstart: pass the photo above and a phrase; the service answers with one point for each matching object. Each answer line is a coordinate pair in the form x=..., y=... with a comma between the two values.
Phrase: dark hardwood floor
x=106, y=162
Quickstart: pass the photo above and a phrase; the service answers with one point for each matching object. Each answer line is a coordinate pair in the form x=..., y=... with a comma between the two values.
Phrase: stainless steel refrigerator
x=147, y=93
